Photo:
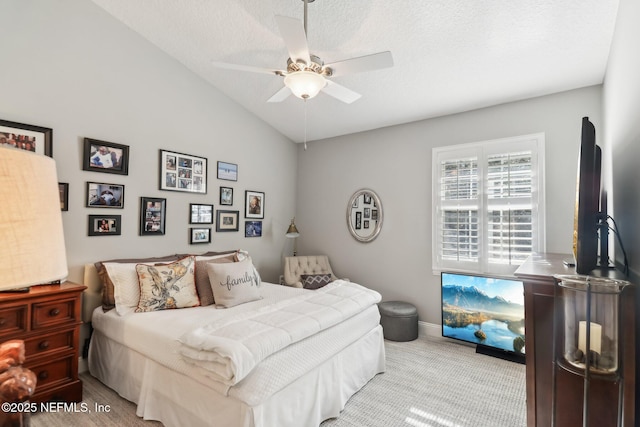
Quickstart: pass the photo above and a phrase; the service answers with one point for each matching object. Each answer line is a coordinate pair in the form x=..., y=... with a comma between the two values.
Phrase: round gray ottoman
x=399, y=320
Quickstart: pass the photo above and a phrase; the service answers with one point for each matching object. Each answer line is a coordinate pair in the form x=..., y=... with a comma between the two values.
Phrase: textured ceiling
x=449, y=55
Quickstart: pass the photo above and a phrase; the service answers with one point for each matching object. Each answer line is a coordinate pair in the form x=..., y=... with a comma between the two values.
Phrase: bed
x=145, y=357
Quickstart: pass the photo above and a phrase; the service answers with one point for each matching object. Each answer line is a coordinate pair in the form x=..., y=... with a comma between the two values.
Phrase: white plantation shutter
x=488, y=204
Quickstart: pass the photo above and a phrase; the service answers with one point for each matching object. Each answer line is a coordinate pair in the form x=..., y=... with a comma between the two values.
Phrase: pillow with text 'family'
x=234, y=283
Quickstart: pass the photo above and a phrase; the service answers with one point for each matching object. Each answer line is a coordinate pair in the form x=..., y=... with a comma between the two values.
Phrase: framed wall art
x=183, y=172
x=63, y=190
x=106, y=157
x=227, y=171
x=101, y=195
x=152, y=216
x=227, y=220
x=253, y=204
x=26, y=137
x=200, y=214
x=104, y=225
x=226, y=196
x=199, y=235
x=253, y=229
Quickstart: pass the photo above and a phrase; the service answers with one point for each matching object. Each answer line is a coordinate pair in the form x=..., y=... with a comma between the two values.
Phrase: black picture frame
x=254, y=204
x=104, y=225
x=227, y=171
x=104, y=195
x=183, y=172
x=152, y=216
x=199, y=235
x=226, y=196
x=227, y=220
x=63, y=191
x=253, y=229
x=200, y=213
x=36, y=139
x=105, y=157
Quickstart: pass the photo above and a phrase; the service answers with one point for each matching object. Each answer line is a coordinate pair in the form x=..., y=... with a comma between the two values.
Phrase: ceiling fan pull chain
x=305, y=115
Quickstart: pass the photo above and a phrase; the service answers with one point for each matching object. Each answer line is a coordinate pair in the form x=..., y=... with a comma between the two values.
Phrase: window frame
x=482, y=150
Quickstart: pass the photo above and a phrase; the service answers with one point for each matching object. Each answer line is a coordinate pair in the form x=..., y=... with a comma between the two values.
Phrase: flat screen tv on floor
x=486, y=311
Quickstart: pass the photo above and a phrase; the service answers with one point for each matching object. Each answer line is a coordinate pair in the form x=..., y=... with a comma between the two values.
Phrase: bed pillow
x=108, y=297
x=126, y=291
x=234, y=283
x=315, y=281
x=167, y=286
x=203, y=286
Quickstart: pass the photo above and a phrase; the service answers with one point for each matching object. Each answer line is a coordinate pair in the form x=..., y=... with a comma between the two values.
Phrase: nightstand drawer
x=55, y=313
x=52, y=373
x=45, y=344
x=13, y=320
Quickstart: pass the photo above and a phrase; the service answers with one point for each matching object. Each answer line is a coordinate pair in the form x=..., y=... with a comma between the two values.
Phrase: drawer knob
x=43, y=375
x=43, y=345
x=2, y=321
x=54, y=312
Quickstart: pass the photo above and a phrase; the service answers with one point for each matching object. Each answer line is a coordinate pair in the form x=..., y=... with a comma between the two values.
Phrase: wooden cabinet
x=537, y=273
x=48, y=319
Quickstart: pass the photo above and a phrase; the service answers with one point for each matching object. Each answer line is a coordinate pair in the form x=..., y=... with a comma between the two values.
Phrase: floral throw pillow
x=315, y=281
x=167, y=286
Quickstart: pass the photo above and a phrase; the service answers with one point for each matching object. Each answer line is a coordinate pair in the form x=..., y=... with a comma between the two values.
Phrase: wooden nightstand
x=48, y=319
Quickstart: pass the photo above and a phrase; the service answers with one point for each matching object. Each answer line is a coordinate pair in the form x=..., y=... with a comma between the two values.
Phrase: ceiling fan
x=306, y=75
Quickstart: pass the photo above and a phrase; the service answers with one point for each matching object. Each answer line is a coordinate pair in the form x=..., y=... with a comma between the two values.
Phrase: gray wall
x=396, y=163
x=621, y=96
x=69, y=66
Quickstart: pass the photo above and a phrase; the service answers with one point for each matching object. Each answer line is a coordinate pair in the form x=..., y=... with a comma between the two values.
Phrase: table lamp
x=292, y=233
x=31, y=234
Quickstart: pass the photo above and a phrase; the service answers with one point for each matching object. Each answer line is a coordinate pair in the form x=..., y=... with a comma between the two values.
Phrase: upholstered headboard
x=93, y=293
x=296, y=266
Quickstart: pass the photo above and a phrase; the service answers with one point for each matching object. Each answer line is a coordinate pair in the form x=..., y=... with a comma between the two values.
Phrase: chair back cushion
x=295, y=267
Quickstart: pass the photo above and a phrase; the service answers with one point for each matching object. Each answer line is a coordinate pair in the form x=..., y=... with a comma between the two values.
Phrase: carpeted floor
x=428, y=383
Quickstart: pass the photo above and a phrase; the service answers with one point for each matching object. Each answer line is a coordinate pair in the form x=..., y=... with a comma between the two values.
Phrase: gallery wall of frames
x=179, y=172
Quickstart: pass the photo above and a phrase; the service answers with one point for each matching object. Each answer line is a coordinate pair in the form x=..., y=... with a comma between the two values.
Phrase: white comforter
x=228, y=349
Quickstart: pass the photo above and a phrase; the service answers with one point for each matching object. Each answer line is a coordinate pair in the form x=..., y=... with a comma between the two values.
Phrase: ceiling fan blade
x=371, y=62
x=340, y=92
x=294, y=37
x=280, y=95
x=249, y=68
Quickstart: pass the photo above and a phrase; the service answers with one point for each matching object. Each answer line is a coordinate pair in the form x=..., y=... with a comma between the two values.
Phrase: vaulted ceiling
x=449, y=55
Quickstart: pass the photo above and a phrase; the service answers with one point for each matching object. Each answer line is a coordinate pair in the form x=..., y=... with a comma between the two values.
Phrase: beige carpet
x=428, y=383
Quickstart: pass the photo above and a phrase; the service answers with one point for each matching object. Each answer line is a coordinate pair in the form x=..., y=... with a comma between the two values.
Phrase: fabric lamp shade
x=32, y=246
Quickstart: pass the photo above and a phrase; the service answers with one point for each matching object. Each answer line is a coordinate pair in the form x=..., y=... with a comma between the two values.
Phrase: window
x=488, y=200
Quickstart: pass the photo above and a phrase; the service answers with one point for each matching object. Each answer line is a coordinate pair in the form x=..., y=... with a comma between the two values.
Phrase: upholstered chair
x=296, y=266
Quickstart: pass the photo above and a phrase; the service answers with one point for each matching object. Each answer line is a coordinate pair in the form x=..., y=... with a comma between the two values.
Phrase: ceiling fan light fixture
x=305, y=84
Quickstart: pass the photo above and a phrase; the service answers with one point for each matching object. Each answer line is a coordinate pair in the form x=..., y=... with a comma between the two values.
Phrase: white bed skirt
x=176, y=400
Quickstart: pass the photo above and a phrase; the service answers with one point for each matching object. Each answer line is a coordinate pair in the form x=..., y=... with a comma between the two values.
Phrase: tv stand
x=537, y=273
x=500, y=354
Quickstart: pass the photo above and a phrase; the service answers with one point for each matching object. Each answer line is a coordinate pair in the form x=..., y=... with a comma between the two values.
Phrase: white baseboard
x=429, y=329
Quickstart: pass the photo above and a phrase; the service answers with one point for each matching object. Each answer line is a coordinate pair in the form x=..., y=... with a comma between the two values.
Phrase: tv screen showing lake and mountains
x=484, y=310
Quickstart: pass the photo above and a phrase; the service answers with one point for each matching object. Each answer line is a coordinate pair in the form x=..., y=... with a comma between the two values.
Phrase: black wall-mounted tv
x=590, y=214
x=486, y=311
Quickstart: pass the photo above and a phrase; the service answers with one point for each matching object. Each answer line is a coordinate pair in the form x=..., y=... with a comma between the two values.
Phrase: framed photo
x=253, y=204
x=253, y=229
x=104, y=225
x=107, y=157
x=227, y=220
x=183, y=172
x=226, y=196
x=63, y=190
x=101, y=195
x=201, y=214
x=26, y=137
x=199, y=235
x=227, y=171
x=152, y=216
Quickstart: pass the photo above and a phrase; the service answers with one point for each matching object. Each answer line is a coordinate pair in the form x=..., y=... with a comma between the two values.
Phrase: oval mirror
x=364, y=215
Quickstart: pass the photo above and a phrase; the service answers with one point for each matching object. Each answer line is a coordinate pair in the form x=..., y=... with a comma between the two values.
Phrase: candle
x=596, y=337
